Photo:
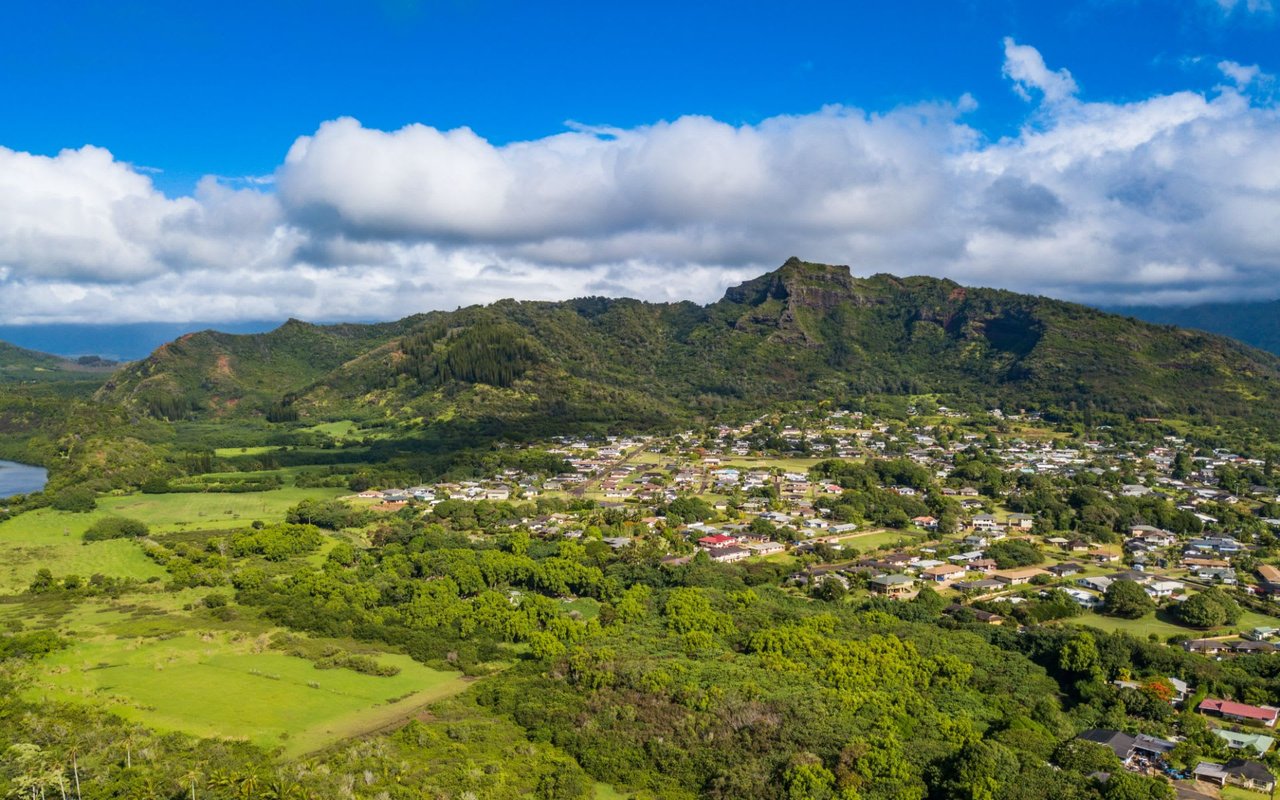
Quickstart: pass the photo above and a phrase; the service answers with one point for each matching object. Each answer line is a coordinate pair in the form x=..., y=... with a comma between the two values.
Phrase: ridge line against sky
x=1172, y=196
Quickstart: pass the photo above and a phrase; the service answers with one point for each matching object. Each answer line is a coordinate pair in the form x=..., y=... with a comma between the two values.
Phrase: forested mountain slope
x=216, y=374
x=800, y=332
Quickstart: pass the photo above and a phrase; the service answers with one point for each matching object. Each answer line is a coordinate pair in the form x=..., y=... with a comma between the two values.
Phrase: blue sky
x=169, y=93
x=224, y=88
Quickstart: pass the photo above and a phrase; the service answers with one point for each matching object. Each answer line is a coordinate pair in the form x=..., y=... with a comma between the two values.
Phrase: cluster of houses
x=1147, y=754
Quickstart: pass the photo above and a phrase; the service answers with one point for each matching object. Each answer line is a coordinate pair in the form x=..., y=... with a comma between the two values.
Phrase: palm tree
x=281, y=789
x=249, y=786
x=222, y=782
x=190, y=778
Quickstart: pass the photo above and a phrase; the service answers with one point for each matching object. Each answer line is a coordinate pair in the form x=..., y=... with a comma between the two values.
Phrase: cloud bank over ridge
x=1171, y=198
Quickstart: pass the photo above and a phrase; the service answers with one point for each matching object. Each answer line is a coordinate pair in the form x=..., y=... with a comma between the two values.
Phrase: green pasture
x=227, y=685
x=198, y=510
x=232, y=452
x=47, y=538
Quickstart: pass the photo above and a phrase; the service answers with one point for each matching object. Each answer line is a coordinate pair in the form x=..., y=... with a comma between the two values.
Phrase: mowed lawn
x=872, y=540
x=215, y=685
x=1144, y=626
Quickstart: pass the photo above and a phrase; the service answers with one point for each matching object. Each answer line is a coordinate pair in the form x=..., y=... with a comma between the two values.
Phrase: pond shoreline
x=16, y=478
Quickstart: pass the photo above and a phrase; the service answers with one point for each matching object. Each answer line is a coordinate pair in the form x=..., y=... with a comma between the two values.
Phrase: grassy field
x=176, y=512
x=227, y=685
x=47, y=538
x=1164, y=628
x=801, y=465
x=232, y=452
x=875, y=539
x=604, y=791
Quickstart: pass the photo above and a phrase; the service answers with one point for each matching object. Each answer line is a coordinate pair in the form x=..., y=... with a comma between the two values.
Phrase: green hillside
x=20, y=364
x=220, y=374
x=803, y=331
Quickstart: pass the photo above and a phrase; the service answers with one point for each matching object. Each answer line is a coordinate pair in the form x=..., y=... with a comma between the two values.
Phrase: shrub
x=115, y=528
x=76, y=499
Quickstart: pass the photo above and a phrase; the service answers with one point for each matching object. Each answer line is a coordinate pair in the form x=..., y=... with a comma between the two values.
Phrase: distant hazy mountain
x=1257, y=324
x=125, y=342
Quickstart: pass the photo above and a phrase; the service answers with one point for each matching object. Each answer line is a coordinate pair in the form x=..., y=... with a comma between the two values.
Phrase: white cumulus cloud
x=1025, y=66
x=1175, y=197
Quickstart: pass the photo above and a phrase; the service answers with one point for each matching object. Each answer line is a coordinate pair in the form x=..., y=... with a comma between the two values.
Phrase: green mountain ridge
x=21, y=364
x=213, y=373
x=804, y=331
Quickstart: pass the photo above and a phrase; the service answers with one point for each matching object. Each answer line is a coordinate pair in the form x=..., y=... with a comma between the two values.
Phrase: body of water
x=18, y=478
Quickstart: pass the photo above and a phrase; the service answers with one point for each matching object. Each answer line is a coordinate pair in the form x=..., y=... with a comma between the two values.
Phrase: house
x=1022, y=521
x=766, y=548
x=1065, y=569
x=1261, y=634
x=1017, y=577
x=983, y=565
x=985, y=522
x=975, y=541
x=1194, y=563
x=893, y=585
x=978, y=614
x=1179, y=688
x=1238, y=771
x=943, y=573
x=1084, y=599
x=1217, y=544
x=1162, y=589
x=981, y=585
x=1246, y=647
x=1205, y=647
x=1239, y=712
x=965, y=558
x=716, y=541
x=928, y=523
x=727, y=555
x=1270, y=578
x=1238, y=740
x=1125, y=746
x=1223, y=575
x=1156, y=537
x=1105, y=558
x=900, y=560
x=1098, y=584
x=968, y=491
